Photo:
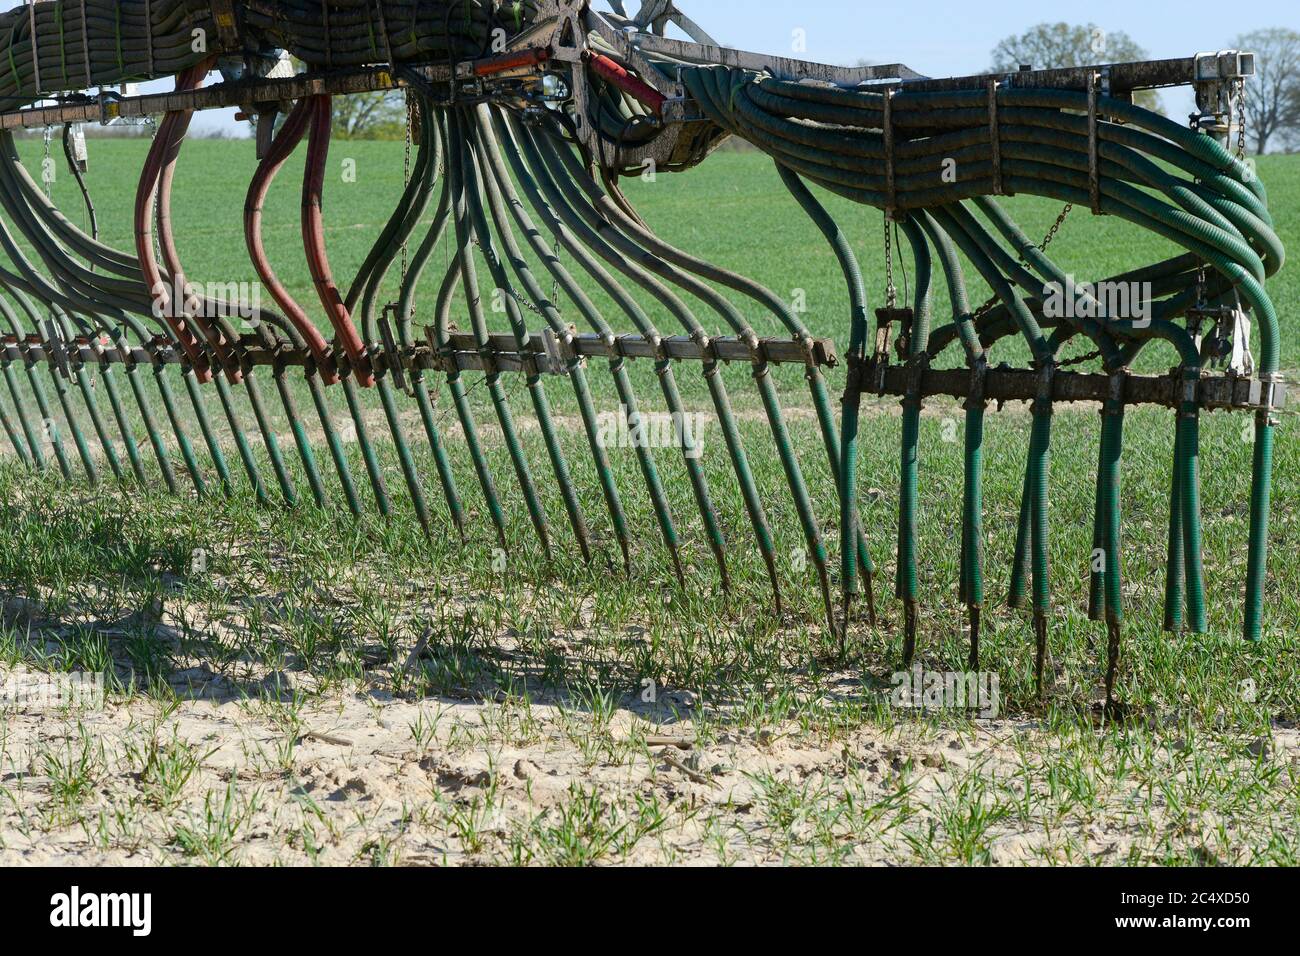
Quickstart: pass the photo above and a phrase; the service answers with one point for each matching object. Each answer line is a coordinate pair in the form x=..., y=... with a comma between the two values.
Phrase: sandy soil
x=360, y=777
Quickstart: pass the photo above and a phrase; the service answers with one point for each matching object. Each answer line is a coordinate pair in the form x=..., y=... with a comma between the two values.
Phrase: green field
x=343, y=603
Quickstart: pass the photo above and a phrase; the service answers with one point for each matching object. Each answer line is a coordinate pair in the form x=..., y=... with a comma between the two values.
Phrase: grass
x=341, y=604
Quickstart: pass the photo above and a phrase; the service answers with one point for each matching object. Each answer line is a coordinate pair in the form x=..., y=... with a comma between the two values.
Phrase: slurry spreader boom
x=525, y=115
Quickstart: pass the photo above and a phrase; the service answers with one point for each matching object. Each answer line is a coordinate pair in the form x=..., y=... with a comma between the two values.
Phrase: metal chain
x=406, y=168
x=891, y=293
x=524, y=302
x=1056, y=227
x=151, y=124
x=1241, y=120
x=993, y=301
x=986, y=308
x=1082, y=359
x=555, y=284
x=474, y=240
x=47, y=171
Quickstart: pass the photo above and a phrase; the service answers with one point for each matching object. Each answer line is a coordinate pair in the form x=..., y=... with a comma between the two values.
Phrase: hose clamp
x=95, y=344
x=610, y=341
x=660, y=353
x=76, y=352
x=809, y=347
x=329, y=363
x=708, y=353
x=25, y=345
x=705, y=344
x=154, y=348
x=122, y=349
x=277, y=358
x=559, y=357
x=1268, y=394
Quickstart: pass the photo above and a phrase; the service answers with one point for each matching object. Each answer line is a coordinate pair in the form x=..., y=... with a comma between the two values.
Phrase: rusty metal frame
x=109, y=106
x=544, y=351
x=1228, y=392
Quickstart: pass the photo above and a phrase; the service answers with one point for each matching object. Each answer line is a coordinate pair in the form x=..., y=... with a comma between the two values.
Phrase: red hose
x=511, y=61
x=224, y=348
x=639, y=90
x=144, y=197
x=290, y=135
x=313, y=236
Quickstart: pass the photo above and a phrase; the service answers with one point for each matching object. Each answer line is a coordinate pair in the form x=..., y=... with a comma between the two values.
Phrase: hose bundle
x=97, y=42
x=85, y=43
x=933, y=160
x=345, y=33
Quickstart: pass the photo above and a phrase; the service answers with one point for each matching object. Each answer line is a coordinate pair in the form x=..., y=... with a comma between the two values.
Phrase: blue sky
x=940, y=38
x=943, y=38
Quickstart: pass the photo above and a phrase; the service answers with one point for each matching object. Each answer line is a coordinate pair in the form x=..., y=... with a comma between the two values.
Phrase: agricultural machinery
x=523, y=117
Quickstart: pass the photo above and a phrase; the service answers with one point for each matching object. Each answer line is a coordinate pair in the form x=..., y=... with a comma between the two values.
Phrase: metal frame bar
x=783, y=67
x=544, y=351
x=107, y=107
x=1122, y=77
x=548, y=355
x=1227, y=392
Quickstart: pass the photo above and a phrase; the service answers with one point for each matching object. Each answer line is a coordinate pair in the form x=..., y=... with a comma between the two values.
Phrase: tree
x=1272, y=107
x=1293, y=111
x=1054, y=45
x=379, y=115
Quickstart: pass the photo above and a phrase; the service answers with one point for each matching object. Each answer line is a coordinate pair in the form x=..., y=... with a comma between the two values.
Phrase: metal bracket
x=223, y=14
x=1094, y=165
x=1268, y=394
x=977, y=397
x=887, y=131
x=1214, y=76
x=1228, y=343
x=995, y=138
x=80, y=157
x=53, y=338
x=391, y=349
x=1046, y=391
